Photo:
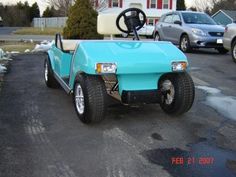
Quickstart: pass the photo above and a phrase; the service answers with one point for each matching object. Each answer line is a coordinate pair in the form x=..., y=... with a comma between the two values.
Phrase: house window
x=115, y=3
x=165, y=4
x=153, y=3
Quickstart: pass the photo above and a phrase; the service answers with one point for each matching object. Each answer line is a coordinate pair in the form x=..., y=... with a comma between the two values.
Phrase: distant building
x=152, y=8
x=1, y=22
x=224, y=17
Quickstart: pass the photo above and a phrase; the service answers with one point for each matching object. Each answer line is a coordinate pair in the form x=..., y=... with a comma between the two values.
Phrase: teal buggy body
x=133, y=72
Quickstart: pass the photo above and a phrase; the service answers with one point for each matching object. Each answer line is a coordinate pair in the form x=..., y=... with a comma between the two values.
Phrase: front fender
x=51, y=58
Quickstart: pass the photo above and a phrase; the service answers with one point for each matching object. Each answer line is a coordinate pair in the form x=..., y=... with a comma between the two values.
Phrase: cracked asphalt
x=41, y=136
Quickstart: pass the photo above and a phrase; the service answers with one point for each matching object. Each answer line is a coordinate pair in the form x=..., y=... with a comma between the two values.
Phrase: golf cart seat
x=66, y=45
x=70, y=45
x=102, y=24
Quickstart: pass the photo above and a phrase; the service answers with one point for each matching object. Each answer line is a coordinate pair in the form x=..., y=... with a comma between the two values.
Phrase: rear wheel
x=177, y=93
x=49, y=79
x=184, y=44
x=90, y=98
x=222, y=50
x=233, y=51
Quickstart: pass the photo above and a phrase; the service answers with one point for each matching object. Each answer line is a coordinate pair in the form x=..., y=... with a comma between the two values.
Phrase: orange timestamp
x=192, y=160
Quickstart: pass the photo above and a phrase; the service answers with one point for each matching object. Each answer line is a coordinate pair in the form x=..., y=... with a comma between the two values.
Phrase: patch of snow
x=43, y=47
x=27, y=50
x=14, y=52
x=2, y=68
x=2, y=54
x=209, y=90
x=225, y=105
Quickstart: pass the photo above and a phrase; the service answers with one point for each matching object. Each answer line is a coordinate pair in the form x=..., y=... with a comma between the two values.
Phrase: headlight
x=179, y=66
x=105, y=68
x=198, y=32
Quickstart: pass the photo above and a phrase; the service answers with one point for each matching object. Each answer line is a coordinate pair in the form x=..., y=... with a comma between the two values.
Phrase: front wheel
x=222, y=50
x=90, y=98
x=233, y=51
x=184, y=44
x=177, y=93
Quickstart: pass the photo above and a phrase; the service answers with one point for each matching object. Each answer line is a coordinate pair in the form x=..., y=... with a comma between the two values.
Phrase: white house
x=153, y=8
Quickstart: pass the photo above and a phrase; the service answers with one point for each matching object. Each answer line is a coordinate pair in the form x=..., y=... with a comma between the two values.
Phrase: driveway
x=40, y=134
x=7, y=30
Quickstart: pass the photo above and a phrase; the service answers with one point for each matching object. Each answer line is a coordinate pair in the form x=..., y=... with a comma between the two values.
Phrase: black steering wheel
x=132, y=20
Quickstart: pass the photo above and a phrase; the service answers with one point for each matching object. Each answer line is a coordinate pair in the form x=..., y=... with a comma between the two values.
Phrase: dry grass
x=17, y=46
x=38, y=31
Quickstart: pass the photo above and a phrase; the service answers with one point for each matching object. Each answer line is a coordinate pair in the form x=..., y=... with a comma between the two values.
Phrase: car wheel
x=177, y=93
x=185, y=44
x=222, y=50
x=233, y=51
x=157, y=37
x=124, y=35
x=49, y=78
x=90, y=98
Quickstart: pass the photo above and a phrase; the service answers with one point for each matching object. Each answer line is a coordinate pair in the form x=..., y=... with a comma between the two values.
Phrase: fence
x=53, y=22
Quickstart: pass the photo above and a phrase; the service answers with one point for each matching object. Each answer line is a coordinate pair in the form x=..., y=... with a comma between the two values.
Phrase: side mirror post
x=177, y=22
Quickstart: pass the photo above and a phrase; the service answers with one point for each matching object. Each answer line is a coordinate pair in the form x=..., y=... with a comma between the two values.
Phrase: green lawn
x=17, y=46
x=38, y=31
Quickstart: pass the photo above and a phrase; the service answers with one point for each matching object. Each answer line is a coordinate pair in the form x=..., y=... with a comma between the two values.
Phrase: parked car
x=230, y=39
x=129, y=71
x=146, y=30
x=190, y=30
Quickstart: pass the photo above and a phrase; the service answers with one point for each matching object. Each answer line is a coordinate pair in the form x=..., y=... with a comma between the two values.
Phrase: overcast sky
x=42, y=3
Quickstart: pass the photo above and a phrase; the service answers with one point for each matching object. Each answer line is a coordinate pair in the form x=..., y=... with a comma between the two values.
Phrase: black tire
x=95, y=98
x=185, y=40
x=222, y=50
x=233, y=51
x=49, y=79
x=184, y=93
x=157, y=37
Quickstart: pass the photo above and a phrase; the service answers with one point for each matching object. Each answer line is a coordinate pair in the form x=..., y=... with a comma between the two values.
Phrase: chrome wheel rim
x=184, y=44
x=234, y=52
x=46, y=72
x=169, y=92
x=79, y=99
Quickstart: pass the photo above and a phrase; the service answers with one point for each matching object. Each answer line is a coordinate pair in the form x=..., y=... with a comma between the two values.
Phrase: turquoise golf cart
x=131, y=71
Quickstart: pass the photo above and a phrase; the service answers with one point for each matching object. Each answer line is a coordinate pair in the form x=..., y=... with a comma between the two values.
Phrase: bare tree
x=63, y=6
x=224, y=5
x=204, y=5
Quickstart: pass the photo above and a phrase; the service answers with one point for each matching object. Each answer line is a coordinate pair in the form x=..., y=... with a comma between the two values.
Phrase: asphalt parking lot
x=40, y=134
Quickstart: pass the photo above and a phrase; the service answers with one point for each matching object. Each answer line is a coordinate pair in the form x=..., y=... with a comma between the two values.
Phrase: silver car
x=190, y=30
x=230, y=39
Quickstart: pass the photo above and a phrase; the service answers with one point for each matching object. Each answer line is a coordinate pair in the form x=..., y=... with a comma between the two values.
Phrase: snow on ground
x=225, y=105
x=27, y=50
x=2, y=68
x=43, y=47
x=1, y=53
x=3, y=56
